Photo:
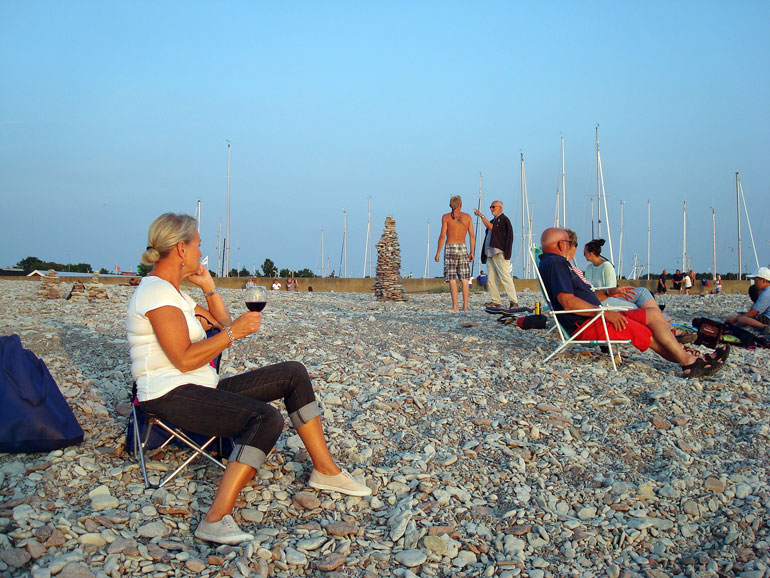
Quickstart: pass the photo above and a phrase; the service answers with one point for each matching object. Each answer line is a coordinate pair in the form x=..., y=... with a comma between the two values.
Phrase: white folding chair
x=566, y=339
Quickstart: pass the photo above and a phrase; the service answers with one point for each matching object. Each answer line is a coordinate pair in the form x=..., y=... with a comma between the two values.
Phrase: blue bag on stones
x=34, y=416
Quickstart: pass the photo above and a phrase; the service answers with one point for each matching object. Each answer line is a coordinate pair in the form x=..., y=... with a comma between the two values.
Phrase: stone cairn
x=92, y=291
x=49, y=286
x=388, y=286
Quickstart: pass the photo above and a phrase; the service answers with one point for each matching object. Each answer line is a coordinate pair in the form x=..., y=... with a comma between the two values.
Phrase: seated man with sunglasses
x=645, y=328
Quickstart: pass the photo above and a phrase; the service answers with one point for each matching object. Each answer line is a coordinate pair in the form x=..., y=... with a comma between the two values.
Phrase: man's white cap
x=762, y=272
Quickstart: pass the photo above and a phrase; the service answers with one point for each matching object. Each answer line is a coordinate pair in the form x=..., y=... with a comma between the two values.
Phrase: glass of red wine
x=255, y=297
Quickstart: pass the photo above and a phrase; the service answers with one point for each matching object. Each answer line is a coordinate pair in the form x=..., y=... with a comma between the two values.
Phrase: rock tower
x=49, y=285
x=388, y=286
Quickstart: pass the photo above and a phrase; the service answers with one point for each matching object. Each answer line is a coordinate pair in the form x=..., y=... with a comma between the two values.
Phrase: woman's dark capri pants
x=238, y=408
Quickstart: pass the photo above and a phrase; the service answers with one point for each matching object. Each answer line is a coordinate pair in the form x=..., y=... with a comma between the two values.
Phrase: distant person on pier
x=498, y=246
x=291, y=283
x=276, y=286
x=455, y=225
x=677, y=279
x=481, y=280
x=661, y=288
x=758, y=317
x=688, y=280
x=646, y=328
x=718, y=284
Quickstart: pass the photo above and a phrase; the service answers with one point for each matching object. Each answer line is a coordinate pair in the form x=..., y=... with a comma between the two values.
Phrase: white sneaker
x=226, y=531
x=342, y=483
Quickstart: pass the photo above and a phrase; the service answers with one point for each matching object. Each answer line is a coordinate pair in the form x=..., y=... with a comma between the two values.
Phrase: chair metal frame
x=174, y=433
x=568, y=340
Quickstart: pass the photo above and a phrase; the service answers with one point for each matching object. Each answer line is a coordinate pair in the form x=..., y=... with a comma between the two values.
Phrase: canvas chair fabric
x=566, y=339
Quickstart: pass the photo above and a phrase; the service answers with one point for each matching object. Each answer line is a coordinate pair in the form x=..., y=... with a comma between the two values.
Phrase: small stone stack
x=388, y=286
x=95, y=289
x=92, y=291
x=49, y=286
x=78, y=292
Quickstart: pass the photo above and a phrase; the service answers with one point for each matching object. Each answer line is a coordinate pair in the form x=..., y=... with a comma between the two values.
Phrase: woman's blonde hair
x=164, y=234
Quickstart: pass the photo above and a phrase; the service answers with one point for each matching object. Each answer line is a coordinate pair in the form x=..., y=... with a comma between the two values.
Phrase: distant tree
x=304, y=273
x=269, y=269
x=233, y=272
x=29, y=264
x=103, y=271
x=142, y=269
x=285, y=273
x=80, y=268
x=244, y=272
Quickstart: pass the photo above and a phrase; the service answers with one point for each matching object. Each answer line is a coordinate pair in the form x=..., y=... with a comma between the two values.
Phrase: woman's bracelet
x=210, y=293
x=230, y=335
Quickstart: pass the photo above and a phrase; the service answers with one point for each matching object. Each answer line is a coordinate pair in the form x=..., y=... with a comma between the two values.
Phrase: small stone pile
x=388, y=286
x=95, y=289
x=49, y=286
x=91, y=291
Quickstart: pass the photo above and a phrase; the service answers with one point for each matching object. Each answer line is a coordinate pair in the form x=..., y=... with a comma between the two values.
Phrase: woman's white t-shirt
x=154, y=374
x=687, y=282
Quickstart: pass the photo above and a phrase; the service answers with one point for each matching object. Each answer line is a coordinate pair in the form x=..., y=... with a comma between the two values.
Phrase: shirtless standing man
x=454, y=226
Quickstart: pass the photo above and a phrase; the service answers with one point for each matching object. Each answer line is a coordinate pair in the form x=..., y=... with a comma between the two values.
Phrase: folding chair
x=568, y=340
x=141, y=444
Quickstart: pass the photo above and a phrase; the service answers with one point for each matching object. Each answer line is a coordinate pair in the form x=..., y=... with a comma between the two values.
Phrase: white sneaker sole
x=229, y=540
x=359, y=493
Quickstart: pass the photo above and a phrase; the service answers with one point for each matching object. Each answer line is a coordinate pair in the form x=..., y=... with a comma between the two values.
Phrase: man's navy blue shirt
x=558, y=277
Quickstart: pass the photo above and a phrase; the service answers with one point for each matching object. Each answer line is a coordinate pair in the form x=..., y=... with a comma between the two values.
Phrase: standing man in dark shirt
x=662, y=283
x=496, y=253
x=677, y=279
x=645, y=328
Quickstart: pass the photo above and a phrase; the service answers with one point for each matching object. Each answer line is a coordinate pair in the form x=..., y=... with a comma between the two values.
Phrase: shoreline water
x=484, y=461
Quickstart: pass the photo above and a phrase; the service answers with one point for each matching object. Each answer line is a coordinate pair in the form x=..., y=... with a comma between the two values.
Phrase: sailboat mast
x=648, y=239
x=714, y=244
x=345, y=241
x=368, y=237
x=227, y=231
x=620, y=248
x=738, y=205
x=748, y=222
x=481, y=195
x=557, y=211
x=563, y=188
x=427, y=253
x=603, y=197
x=598, y=187
x=198, y=215
x=323, y=262
x=684, y=238
x=219, y=248
x=524, y=260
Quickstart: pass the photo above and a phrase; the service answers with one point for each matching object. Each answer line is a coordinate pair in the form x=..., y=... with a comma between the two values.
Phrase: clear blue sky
x=114, y=112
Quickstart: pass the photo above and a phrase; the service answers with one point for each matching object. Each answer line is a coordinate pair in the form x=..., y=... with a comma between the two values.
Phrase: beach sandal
x=684, y=336
x=720, y=355
x=700, y=368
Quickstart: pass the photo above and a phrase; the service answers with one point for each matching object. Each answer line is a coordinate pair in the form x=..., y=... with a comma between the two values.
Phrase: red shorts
x=635, y=330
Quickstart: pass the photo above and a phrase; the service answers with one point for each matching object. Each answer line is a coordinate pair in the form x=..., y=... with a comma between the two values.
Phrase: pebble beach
x=483, y=460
